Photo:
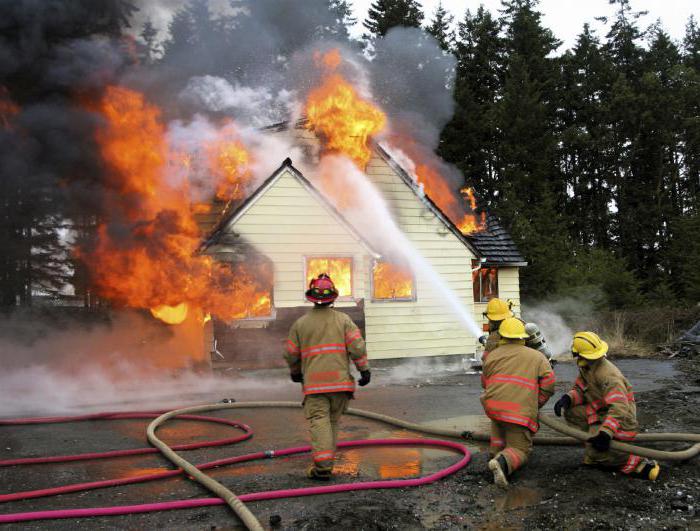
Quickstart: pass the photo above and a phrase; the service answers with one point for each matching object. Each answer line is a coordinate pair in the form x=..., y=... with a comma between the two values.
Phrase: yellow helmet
x=512, y=328
x=498, y=310
x=588, y=345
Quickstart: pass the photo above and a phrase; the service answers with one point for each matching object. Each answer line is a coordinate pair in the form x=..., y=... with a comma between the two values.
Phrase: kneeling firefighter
x=320, y=346
x=496, y=311
x=517, y=382
x=601, y=402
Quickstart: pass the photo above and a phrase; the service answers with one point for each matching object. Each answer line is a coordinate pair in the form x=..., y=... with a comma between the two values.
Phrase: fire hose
x=237, y=502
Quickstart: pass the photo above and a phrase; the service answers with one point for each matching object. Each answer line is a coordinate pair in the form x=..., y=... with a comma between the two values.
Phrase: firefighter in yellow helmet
x=496, y=311
x=320, y=346
x=517, y=382
x=601, y=402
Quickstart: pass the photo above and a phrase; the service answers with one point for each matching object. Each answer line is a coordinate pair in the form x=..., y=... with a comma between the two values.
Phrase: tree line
x=589, y=156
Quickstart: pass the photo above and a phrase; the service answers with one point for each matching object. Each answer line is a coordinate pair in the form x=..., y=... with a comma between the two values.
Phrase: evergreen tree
x=531, y=183
x=386, y=14
x=469, y=140
x=149, y=34
x=440, y=27
x=585, y=141
x=344, y=19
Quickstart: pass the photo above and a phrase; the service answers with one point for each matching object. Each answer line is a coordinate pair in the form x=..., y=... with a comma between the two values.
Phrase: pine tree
x=149, y=34
x=585, y=141
x=386, y=14
x=530, y=176
x=440, y=27
x=470, y=139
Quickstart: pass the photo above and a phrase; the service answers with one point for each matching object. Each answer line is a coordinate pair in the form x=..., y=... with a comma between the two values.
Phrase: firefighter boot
x=647, y=469
x=318, y=474
x=499, y=467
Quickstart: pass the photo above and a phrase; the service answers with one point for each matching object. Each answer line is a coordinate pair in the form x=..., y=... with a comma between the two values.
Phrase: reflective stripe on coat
x=517, y=381
x=320, y=345
x=608, y=399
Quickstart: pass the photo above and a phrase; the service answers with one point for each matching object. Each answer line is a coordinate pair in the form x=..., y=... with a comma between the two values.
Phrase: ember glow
x=7, y=108
x=145, y=255
x=391, y=281
x=340, y=116
x=339, y=269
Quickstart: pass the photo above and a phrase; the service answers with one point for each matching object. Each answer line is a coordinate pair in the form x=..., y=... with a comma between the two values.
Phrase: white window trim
x=413, y=298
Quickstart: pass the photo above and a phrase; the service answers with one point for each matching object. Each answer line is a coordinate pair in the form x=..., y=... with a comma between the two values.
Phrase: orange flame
x=391, y=281
x=460, y=209
x=339, y=269
x=337, y=113
x=150, y=260
x=229, y=162
x=8, y=108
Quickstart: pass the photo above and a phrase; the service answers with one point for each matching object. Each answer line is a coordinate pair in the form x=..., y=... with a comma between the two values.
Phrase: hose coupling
x=269, y=453
x=466, y=435
x=228, y=400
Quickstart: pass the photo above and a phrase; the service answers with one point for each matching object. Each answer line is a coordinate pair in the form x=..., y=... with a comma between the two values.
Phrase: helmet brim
x=320, y=300
x=596, y=354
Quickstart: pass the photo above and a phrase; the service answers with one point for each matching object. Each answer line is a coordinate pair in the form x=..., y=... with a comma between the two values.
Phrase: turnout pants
x=323, y=411
x=626, y=463
x=511, y=441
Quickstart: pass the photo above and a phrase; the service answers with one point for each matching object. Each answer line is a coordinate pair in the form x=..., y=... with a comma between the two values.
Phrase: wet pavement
x=445, y=398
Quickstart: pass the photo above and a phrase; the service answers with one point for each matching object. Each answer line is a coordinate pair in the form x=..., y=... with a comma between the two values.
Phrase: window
x=484, y=282
x=392, y=282
x=338, y=268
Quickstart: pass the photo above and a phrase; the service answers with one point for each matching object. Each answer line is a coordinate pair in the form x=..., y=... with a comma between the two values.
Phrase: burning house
x=291, y=227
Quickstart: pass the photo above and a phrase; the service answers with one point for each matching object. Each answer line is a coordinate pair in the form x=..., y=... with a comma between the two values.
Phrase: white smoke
x=556, y=332
x=255, y=106
x=191, y=140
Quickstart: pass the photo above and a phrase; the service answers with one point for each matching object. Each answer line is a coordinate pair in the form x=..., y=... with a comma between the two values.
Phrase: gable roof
x=233, y=214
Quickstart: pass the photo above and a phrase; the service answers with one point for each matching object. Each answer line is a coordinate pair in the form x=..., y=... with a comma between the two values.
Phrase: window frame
x=478, y=274
x=341, y=298
x=414, y=296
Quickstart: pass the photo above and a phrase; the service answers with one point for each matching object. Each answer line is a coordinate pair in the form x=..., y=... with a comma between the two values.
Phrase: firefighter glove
x=601, y=442
x=483, y=339
x=365, y=377
x=563, y=403
x=297, y=377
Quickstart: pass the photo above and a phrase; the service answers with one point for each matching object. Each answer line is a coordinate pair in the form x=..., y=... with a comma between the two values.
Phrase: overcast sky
x=566, y=17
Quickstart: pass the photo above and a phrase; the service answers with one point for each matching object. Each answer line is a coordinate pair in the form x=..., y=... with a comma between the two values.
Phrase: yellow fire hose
x=574, y=438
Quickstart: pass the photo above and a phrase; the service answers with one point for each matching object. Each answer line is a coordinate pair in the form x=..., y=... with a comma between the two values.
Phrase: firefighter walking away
x=517, y=381
x=320, y=346
x=602, y=403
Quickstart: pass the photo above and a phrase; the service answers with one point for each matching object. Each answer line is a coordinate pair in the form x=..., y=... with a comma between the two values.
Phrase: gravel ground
x=552, y=492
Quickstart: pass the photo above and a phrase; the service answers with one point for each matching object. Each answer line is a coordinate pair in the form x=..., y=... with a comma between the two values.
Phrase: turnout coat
x=517, y=382
x=321, y=344
x=607, y=398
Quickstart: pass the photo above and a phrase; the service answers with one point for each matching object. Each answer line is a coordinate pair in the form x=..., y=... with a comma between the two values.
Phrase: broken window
x=338, y=268
x=392, y=282
x=484, y=282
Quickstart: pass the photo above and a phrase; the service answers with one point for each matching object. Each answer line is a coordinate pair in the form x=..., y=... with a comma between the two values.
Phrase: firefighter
x=601, y=403
x=320, y=346
x=517, y=382
x=496, y=311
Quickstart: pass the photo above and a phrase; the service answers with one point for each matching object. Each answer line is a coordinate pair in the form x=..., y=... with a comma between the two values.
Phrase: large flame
x=391, y=281
x=145, y=255
x=339, y=269
x=338, y=114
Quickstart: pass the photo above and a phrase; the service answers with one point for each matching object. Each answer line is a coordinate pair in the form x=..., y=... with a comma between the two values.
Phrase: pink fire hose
x=202, y=502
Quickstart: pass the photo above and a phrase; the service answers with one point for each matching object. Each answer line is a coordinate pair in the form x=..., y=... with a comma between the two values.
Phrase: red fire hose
x=202, y=502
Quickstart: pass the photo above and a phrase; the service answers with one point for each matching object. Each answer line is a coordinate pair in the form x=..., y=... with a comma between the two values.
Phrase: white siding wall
x=425, y=327
x=287, y=223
